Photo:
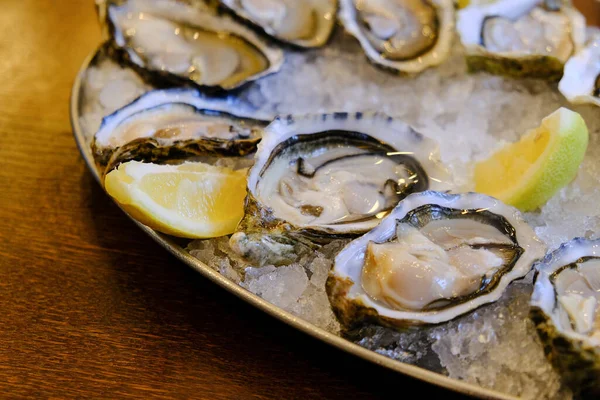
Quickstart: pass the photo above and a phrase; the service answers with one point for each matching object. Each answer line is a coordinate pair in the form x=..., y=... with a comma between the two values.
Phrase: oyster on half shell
x=521, y=38
x=580, y=83
x=163, y=124
x=434, y=257
x=303, y=23
x=184, y=43
x=565, y=306
x=403, y=35
x=328, y=176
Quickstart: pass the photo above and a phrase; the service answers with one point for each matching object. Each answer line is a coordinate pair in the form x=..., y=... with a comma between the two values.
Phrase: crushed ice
x=298, y=288
x=470, y=116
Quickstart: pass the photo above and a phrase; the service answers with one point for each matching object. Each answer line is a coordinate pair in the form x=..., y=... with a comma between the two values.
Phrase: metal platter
x=174, y=247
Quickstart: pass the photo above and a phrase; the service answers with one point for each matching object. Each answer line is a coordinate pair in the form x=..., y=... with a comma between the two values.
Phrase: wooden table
x=91, y=307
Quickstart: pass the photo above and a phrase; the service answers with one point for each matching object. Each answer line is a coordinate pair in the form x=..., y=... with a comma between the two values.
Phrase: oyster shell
x=304, y=23
x=162, y=124
x=403, y=35
x=565, y=309
x=521, y=38
x=327, y=176
x=186, y=43
x=580, y=83
x=435, y=257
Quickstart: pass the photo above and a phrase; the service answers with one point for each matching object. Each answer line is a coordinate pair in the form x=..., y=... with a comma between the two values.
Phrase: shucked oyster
x=304, y=23
x=566, y=310
x=435, y=257
x=403, y=35
x=521, y=38
x=335, y=175
x=176, y=41
x=581, y=80
x=178, y=122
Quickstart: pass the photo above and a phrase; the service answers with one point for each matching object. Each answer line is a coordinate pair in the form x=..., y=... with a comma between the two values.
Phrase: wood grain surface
x=92, y=308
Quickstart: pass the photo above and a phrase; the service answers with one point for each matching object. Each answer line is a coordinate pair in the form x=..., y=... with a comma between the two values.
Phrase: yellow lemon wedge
x=191, y=200
x=526, y=174
x=462, y=3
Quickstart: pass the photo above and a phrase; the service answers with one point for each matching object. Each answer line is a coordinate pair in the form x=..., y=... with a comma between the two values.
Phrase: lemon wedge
x=191, y=200
x=528, y=173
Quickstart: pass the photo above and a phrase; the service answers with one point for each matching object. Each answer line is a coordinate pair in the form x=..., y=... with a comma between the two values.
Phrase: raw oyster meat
x=304, y=23
x=435, y=257
x=319, y=177
x=521, y=38
x=163, y=124
x=403, y=35
x=188, y=44
x=565, y=308
x=581, y=80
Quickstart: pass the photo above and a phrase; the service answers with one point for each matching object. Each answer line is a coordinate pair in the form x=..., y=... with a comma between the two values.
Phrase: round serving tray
x=171, y=244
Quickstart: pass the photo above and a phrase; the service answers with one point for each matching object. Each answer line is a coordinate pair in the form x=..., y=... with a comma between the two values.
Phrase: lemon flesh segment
x=526, y=174
x=191, y=200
